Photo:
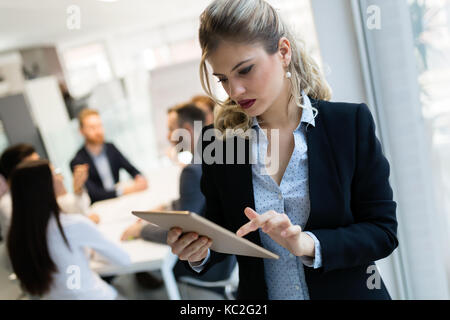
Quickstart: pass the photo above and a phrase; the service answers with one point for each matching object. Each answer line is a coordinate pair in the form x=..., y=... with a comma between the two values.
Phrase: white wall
x=50, y=115
x=11, y=72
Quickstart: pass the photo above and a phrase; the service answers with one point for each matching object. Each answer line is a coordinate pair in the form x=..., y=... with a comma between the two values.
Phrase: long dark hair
x=33, y=204
x=13, y=155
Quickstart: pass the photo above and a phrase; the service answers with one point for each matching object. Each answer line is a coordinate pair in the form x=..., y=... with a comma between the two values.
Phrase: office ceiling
x=25, y=23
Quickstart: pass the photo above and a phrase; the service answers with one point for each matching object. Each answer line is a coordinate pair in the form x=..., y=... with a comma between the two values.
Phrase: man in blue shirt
x=104, y=161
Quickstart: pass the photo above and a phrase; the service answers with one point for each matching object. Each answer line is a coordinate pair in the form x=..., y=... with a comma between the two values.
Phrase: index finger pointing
x=247, y=228
x=256, y=223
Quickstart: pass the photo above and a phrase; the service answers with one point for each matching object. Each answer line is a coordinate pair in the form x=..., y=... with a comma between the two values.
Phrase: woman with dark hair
x=69, y=202
x=9, y=159
x=48, y=249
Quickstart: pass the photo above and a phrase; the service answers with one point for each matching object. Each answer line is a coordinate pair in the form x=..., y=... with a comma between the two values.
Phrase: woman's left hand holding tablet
x=279, y=227
x=190, y=246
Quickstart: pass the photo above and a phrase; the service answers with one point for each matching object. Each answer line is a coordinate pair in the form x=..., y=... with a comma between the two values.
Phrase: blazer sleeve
x=191, y=197
x=76, y=161
x=124, y=163
x=97, y=193
x=373, y=235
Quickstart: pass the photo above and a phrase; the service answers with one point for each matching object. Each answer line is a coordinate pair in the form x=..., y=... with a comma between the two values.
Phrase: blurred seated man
x=207, y=105
x=77, y=202
x=191, y=197
x=104, y=161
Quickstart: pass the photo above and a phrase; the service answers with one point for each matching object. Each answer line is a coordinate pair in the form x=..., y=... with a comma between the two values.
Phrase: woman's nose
x=236, y=90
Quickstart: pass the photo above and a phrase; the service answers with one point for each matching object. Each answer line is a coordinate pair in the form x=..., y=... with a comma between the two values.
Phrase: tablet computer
x=223, y=240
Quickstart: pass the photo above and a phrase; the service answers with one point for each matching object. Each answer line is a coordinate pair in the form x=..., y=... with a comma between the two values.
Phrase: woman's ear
x=284, y=50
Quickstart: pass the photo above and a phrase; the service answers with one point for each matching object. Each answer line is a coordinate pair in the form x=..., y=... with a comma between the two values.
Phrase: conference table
x=115, y=216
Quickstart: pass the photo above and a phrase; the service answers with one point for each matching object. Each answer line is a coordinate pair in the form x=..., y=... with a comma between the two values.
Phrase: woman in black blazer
x=351, y=220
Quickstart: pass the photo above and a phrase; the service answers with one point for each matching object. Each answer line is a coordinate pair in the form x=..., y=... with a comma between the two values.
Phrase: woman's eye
x=222, y=80
x=246, y=70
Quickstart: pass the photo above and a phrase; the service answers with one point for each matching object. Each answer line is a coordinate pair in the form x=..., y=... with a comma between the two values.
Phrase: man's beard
x=95, y=140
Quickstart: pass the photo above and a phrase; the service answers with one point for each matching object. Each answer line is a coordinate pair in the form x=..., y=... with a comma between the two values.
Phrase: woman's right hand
x=188, y=247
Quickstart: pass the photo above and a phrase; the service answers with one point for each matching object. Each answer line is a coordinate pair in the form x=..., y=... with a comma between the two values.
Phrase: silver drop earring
x=288, y=75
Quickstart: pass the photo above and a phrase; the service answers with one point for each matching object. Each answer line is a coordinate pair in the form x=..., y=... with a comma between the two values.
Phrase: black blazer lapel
x=325, y=190
x=239, y=179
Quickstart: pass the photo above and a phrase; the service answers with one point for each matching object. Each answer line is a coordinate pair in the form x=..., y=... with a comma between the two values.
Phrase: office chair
x=230, y=285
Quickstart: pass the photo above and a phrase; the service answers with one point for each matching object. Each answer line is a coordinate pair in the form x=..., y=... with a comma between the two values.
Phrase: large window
x=431, y=31
x=406, y=67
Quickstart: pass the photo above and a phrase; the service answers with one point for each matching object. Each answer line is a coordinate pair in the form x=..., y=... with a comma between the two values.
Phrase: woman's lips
x=246, y=103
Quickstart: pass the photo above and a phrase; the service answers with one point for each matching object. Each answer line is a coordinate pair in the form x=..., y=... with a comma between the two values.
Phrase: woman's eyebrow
x=236, y=66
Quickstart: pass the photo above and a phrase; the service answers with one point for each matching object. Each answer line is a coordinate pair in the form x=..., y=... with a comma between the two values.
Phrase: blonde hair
x=205, y=100
x=254, y=21
x=86, y=113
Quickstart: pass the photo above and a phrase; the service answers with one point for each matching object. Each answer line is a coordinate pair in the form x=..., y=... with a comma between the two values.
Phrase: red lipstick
x=247, y=103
